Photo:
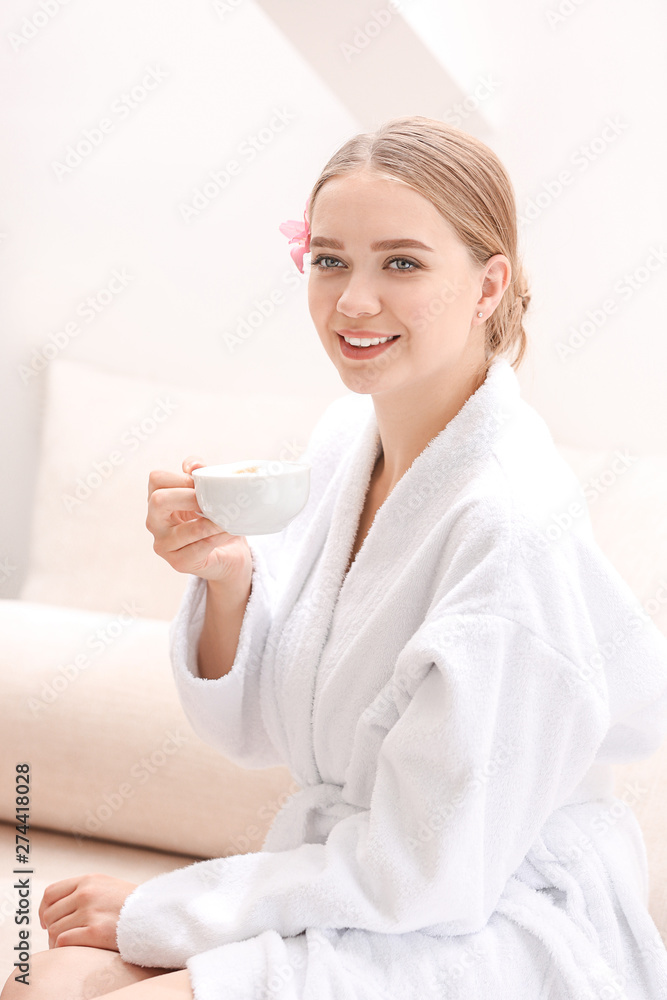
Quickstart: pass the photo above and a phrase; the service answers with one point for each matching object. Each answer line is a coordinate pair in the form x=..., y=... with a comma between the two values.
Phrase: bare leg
x=77, y=973
x=171, y=986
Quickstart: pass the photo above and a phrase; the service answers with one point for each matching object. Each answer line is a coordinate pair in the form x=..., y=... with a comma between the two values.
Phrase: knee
x=55, y=973
x=40, y=965
x=13, y=987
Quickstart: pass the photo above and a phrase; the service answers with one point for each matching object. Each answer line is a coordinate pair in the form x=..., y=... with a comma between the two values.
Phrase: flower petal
x=297, y=253
x=293, y=227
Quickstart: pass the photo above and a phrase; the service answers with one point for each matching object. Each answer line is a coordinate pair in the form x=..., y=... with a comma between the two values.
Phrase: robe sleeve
x=492, y=729
x=226, y=712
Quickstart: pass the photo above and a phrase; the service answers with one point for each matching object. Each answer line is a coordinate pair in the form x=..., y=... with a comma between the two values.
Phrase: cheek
x=432, y=305
x=319, y=298
x=320, y=310
x=424, y=309
x=314, y=303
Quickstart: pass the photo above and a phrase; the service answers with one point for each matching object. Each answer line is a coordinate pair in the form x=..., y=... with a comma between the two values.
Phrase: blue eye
x=317, y=262
x=405, y=260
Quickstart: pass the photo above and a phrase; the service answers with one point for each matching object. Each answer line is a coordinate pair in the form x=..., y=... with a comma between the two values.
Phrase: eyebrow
x=325, y=241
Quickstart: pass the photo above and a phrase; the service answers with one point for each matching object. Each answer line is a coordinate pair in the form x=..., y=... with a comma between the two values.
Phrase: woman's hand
x=187, y=540
x=84, y=910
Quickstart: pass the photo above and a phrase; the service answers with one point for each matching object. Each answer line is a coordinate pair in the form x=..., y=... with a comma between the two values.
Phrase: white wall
x=559, y=78
x=220, y=72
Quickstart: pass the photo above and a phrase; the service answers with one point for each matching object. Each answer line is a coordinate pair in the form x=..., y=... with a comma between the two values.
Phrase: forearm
x=219, y=639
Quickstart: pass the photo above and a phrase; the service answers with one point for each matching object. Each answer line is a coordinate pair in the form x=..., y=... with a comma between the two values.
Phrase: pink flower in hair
x=299, y=233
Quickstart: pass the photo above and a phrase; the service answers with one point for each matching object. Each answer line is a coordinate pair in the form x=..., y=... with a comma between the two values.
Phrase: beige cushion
x=102, y=435
x=89, y=700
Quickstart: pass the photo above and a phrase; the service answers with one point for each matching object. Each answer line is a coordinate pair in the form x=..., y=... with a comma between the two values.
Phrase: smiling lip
x=362, y=354
x=364, y=333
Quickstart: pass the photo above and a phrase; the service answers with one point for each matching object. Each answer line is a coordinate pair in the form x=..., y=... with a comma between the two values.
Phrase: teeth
x=356, y=342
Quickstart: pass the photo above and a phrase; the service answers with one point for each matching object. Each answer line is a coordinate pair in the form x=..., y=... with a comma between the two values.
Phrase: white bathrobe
x=451, y=708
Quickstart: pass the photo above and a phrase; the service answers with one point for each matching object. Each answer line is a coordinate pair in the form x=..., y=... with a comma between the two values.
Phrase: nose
x=359, y=297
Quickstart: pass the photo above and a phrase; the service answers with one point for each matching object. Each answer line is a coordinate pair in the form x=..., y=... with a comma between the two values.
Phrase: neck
x=410, y=417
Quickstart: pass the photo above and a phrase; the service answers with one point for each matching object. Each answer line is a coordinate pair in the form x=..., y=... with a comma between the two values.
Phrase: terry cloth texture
x=451, y=707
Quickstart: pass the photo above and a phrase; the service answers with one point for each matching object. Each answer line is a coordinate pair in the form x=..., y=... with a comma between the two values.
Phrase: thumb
x=193, y=462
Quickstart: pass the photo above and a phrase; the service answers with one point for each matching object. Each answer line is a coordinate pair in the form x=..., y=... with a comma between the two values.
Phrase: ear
x=495, y=277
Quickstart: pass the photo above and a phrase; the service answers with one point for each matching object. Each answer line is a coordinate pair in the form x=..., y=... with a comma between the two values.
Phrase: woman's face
x=426, y=297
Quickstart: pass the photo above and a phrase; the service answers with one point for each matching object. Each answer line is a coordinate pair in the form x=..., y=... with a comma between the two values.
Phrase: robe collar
x=417, y=502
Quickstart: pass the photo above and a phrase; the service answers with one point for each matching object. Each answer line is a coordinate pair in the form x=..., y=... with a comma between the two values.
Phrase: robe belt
x=308, y=816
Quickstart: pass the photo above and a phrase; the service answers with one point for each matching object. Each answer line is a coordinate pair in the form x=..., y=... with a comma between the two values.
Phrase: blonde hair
x=464, y=179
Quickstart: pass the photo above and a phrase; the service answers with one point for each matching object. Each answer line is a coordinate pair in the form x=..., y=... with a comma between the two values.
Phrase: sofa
x=119, y=782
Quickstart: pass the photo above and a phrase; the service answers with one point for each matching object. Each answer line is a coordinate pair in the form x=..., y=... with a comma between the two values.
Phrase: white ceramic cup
x=253, y=497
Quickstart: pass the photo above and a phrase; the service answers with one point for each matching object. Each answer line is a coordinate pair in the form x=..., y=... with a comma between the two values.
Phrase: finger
x=194, y=557
x=56, y=891
x=163, y=503
x=89, y=937
x=58, y=910
x=77, y=918
x=193, y=462
x=101, y=934
x=160, y=479
x=182, y=535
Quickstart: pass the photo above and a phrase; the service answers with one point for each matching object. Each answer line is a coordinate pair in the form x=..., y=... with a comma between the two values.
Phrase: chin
x=356, y=383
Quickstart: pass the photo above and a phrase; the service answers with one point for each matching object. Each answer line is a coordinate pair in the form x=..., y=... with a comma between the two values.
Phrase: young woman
x=435, y=646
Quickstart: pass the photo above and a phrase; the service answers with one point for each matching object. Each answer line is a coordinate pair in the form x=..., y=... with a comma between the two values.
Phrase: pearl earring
x=480, y=314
